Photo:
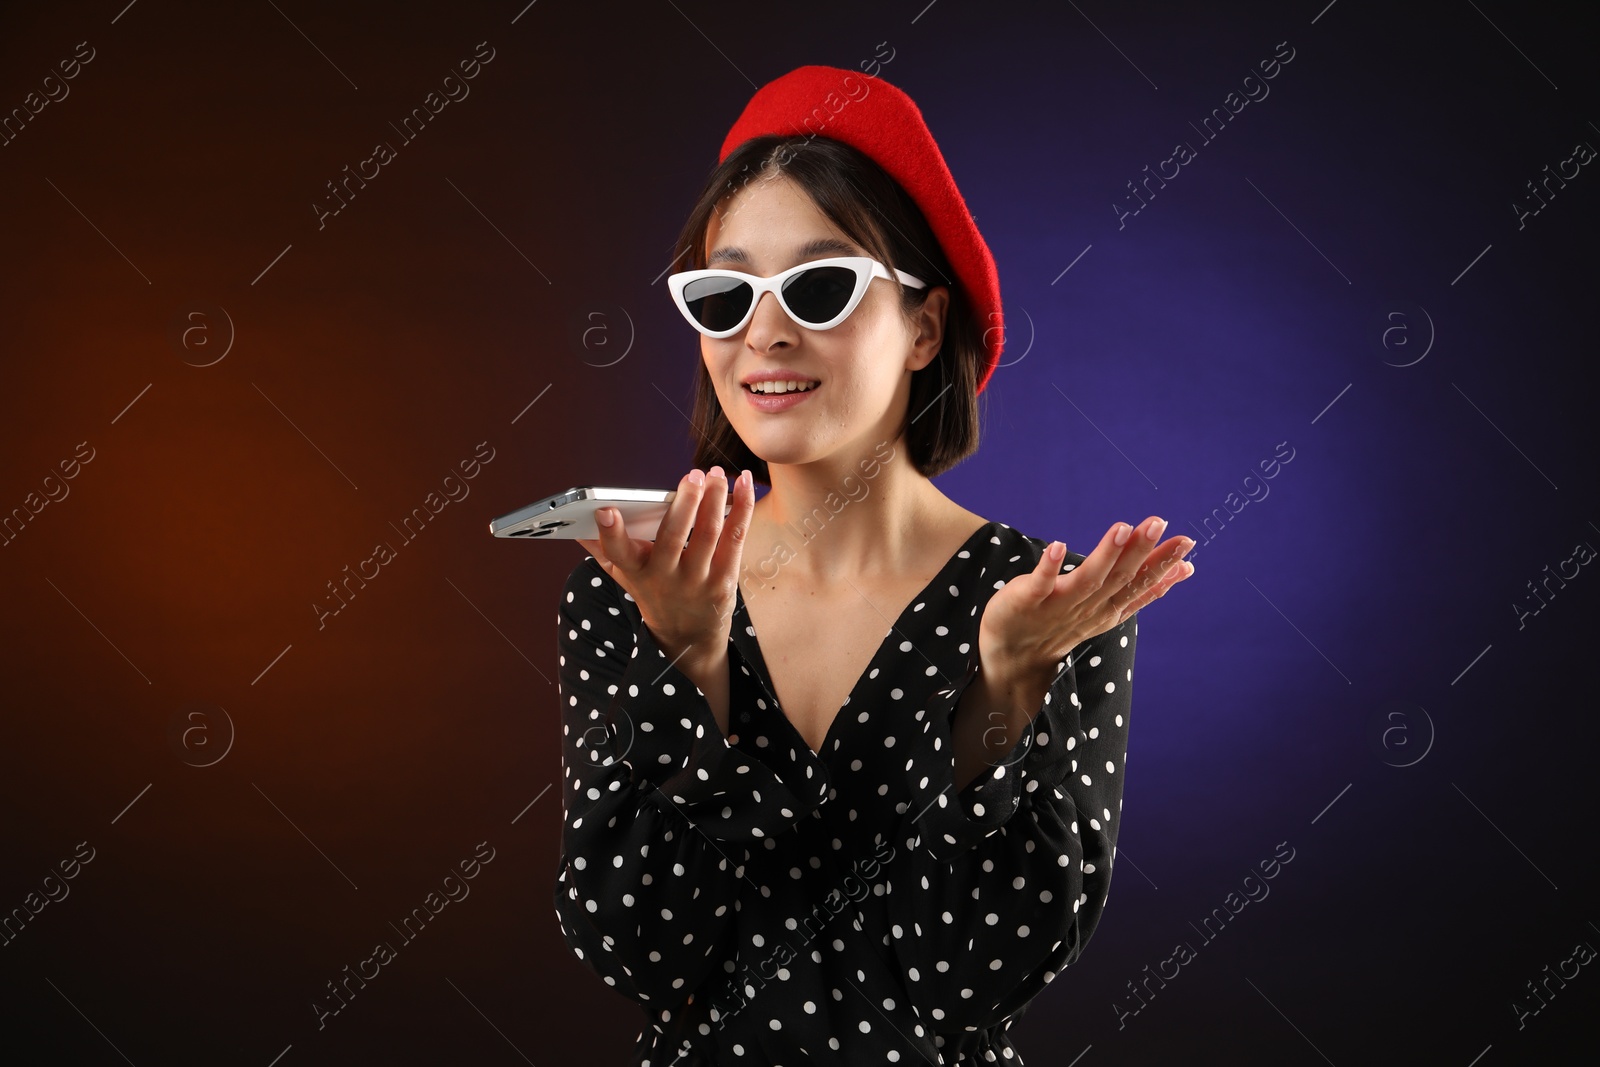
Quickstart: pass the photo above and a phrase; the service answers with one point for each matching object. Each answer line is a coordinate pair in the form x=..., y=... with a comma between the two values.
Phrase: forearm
x=628, y=923
x=706, y=669
x=993, y=714
x=709, y=671
x=711, y=675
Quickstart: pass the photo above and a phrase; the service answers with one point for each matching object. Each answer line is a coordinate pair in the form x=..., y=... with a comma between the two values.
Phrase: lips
x=749, y=387
x=772, y=402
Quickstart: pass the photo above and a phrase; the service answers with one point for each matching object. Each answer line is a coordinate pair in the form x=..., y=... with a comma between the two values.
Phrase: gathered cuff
x=949, y=822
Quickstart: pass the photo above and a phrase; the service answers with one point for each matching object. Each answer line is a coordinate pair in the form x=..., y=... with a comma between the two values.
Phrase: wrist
x=1010, y=696
x=700, y=661
x=1014, y=675
x=678, y=651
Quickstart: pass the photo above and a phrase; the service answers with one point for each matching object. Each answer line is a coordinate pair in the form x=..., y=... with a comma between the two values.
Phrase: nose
x=770, y=324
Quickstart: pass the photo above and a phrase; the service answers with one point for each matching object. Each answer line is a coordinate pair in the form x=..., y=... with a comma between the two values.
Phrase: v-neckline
x=750, y=646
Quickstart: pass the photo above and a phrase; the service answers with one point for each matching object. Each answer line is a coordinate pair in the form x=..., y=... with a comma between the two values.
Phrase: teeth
x=781, y=387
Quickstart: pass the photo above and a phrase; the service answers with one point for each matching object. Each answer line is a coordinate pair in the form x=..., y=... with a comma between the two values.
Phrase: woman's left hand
x=1035, y=619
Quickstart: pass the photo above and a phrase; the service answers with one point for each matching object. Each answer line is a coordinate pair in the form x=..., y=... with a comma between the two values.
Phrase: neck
x=863, y=511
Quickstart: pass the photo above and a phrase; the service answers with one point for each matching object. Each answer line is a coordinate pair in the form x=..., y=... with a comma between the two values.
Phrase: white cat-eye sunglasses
x=818, y=295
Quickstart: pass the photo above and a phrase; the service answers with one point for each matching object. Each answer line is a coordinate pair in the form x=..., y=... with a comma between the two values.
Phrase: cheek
x=710, y=359
x=876, y=351
x=884, y=329
x=717, y=358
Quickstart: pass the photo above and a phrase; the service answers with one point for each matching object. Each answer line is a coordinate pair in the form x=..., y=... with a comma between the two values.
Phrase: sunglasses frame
x=864, y=267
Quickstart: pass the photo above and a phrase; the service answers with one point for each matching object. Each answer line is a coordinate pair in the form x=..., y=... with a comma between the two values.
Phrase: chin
x=775, y=453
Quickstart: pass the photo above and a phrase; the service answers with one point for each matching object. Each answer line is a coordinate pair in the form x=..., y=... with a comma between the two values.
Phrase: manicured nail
x=716, y=472
x=604, y=517
x=1156, y=529
x=696, y=478
x=1124, y=531
x=745, y=478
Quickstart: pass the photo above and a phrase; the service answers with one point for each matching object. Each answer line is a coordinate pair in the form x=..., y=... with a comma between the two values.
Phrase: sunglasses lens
x=717, y=303
x=819, y=294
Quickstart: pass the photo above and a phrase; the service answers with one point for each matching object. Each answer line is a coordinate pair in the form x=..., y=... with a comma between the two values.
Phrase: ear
x=928, y=324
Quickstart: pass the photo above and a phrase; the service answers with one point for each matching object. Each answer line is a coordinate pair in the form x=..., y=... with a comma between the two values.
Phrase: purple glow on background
x=1345, y=672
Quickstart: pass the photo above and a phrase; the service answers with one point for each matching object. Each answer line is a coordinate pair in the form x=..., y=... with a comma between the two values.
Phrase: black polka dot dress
x=767, y=905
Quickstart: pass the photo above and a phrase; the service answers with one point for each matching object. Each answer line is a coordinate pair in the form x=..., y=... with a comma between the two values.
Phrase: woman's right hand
x=685, y=586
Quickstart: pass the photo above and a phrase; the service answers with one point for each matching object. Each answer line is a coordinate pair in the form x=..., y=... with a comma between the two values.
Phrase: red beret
x=881, y=121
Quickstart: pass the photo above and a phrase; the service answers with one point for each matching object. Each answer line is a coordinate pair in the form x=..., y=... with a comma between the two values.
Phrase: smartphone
x=571, y=514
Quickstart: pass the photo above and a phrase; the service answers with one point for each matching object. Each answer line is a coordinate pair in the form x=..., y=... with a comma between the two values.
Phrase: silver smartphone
x=571, y=514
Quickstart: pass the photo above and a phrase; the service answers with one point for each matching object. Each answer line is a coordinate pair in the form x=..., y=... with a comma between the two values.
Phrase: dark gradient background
x=1349, y=675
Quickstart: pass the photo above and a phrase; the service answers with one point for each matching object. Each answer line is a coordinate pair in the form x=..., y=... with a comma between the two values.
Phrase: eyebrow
x=810, y=250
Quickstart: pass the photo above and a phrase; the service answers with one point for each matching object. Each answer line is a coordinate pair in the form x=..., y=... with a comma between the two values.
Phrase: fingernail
x=716, y=472
x=746, y=478
x=1156, y=529
x=604, y=517
x=696, y=478
x=1124, y=531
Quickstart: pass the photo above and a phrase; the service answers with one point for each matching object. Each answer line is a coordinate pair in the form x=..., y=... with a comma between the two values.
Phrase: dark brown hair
x=874, y=211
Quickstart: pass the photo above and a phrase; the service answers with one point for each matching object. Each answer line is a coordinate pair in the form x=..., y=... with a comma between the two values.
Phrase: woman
x=878, y=833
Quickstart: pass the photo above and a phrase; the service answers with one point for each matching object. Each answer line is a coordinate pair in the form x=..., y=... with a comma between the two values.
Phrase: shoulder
x=586, y=574
x=596, y=609
x=1017, y=552
x=589, y=584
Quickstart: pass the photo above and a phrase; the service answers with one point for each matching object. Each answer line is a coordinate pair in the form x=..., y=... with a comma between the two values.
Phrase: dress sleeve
x=1004, y=883
x=658, y=808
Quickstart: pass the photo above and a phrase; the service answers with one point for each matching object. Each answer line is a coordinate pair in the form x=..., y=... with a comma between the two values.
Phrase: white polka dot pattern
x=767, y=904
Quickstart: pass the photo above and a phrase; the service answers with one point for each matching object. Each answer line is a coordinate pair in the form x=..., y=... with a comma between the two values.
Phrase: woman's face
x=862, y=364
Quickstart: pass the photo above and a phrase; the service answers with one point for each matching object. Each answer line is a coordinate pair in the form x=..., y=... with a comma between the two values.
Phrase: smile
x=780, y=401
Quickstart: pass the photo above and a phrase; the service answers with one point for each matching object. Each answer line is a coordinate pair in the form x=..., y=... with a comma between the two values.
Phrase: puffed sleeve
x=658, y=808
x=1003, y=883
